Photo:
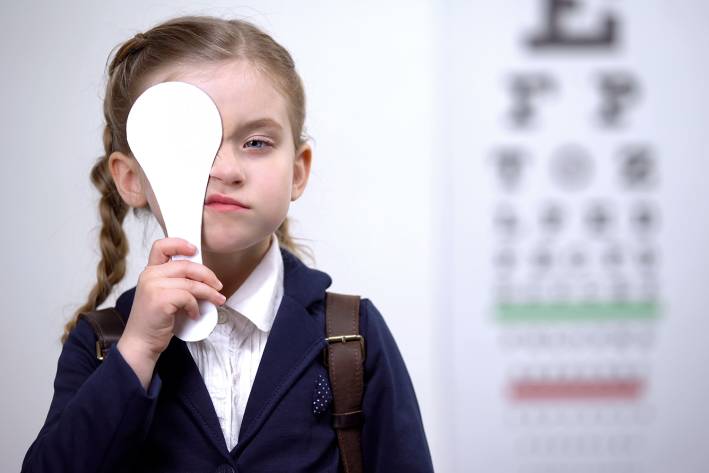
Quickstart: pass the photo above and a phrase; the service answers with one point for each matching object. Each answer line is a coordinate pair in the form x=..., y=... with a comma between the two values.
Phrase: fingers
x=160, y=264
x=183, y=300
x=196, y=289
x=179, y=283
x=184, y=269
x=164, y=248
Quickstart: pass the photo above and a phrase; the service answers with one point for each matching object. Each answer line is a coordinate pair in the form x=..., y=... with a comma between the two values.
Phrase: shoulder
x=370, y=317
x=83, y=337
x=79, y=350
x=378, y=339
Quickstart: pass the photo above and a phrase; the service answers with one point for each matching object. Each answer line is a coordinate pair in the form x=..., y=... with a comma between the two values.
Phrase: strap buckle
x=99, y=350
x=344, y=339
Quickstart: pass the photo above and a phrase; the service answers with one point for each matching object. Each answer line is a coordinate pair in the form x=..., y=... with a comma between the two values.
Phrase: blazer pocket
x=322, y=395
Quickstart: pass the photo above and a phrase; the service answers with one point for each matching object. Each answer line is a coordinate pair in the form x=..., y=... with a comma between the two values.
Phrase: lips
x=223, y=199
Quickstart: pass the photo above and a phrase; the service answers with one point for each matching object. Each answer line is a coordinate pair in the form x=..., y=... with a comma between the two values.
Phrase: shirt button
x=225, y=469
x=221, y=315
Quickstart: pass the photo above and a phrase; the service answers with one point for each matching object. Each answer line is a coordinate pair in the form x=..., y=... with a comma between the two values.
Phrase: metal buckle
x=99, y=351
x=344, y=339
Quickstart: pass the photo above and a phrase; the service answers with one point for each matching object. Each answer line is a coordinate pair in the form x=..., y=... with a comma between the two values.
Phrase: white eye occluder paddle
x=174, y=130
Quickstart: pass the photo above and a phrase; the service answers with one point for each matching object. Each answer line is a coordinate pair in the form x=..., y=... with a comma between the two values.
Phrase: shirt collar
x=258, y=297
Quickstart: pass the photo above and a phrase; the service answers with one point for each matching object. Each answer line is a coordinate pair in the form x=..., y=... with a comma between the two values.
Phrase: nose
x=227, y=166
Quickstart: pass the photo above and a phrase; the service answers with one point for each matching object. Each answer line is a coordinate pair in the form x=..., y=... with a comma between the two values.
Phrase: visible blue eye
x=257, y=143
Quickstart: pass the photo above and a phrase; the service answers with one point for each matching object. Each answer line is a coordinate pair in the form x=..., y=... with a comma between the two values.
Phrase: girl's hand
x=164, y=288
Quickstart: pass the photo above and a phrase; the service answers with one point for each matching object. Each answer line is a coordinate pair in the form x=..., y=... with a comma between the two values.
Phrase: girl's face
x=257, y=163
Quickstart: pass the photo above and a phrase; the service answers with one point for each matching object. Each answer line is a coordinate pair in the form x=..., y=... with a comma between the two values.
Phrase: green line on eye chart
x=582, y=311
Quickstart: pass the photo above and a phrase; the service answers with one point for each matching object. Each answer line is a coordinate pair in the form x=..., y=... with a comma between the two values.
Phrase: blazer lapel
x=179, y=374
x=297, y=336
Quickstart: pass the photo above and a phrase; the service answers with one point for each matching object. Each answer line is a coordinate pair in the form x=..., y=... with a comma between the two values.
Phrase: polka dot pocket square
x=322, y=395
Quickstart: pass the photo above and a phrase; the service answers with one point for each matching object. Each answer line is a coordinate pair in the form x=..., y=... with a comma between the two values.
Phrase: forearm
x=98, y=418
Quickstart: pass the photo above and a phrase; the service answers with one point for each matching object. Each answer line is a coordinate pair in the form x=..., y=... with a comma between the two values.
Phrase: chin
x=224, y=243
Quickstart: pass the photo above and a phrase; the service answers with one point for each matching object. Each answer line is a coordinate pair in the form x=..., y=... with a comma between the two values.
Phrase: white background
x=367, y=212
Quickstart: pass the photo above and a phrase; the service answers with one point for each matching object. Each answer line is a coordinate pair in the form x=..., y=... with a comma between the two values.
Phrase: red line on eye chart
x=626, y=389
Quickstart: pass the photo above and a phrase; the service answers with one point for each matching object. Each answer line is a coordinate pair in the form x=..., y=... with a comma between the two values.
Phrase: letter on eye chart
x=174, y=131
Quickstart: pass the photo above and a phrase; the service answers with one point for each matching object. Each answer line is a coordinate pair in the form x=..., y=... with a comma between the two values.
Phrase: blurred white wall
x=367, y=214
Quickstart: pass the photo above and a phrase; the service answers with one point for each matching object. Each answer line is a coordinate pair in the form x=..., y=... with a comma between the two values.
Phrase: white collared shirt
x=229, y=357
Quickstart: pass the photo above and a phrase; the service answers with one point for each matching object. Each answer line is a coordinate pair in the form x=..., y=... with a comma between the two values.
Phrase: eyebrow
x=256, y=124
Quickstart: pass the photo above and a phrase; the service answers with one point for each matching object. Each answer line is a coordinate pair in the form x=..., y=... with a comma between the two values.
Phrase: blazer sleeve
x=393, y=438
x=99, y=414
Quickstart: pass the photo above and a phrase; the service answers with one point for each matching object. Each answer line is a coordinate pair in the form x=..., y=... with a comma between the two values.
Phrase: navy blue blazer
x=101, y=419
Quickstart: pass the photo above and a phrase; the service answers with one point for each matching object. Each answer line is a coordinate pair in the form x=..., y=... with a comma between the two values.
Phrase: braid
x=112, y=238
x=127, y=49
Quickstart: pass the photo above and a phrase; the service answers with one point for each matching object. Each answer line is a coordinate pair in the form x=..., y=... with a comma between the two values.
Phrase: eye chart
x=566, y=124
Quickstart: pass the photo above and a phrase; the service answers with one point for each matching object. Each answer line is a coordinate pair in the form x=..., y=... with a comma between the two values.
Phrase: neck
x=233, y=269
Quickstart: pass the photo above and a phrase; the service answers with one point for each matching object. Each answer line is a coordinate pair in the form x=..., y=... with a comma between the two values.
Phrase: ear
x=127, y=175
x=301, y=170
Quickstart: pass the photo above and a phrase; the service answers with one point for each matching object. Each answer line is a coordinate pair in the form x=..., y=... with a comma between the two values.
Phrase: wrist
x=135, y=349
x=142, y=360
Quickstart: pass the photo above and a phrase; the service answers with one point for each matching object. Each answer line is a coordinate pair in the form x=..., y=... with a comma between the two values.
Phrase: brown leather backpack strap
x=108, y=325
x=345, y=361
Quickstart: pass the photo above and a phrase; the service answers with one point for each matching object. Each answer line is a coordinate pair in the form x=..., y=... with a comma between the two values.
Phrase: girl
x=255, y=395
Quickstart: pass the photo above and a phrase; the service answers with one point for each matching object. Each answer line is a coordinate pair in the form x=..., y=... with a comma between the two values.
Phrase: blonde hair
x=190, y=39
